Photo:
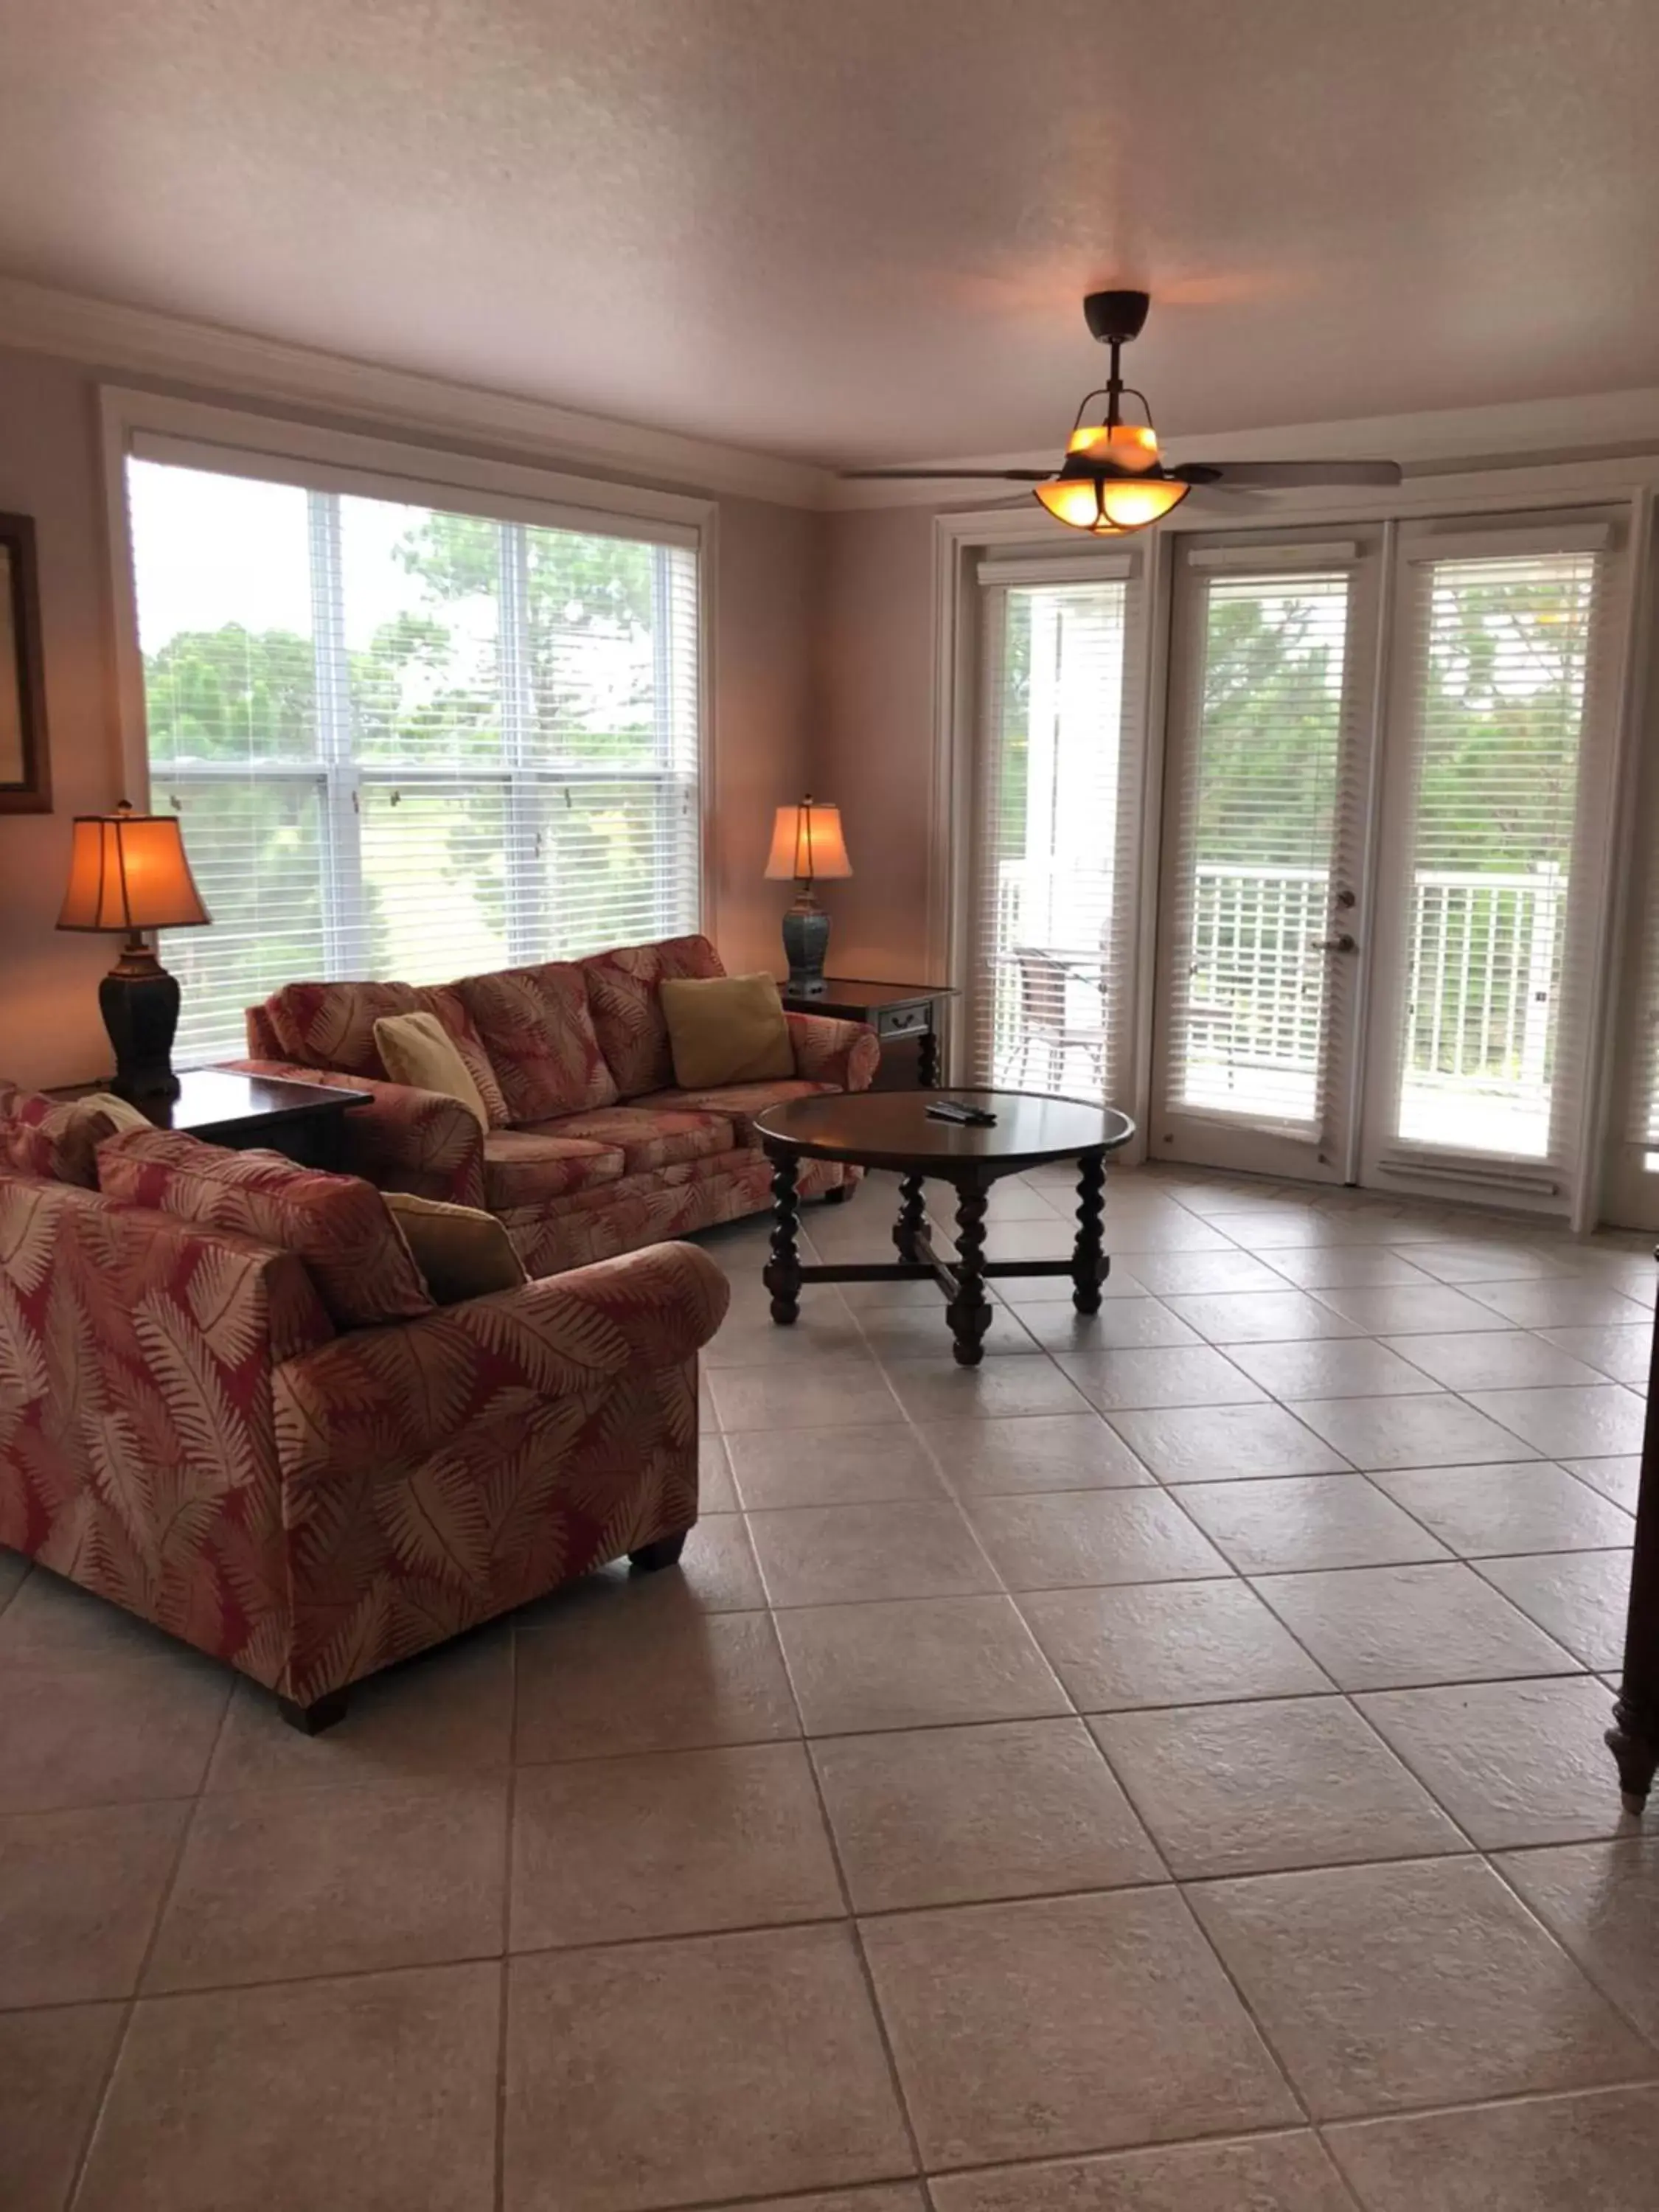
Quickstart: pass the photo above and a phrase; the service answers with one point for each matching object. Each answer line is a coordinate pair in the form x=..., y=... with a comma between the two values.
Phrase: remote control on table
x=954, y=1110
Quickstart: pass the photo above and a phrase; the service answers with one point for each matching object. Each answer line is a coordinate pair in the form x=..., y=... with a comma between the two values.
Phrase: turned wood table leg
x=969, y=1312
x=1633, y=1738
x=912, y=1215
x=1089, y=1252
x=928, y=1059
x=781, y=1274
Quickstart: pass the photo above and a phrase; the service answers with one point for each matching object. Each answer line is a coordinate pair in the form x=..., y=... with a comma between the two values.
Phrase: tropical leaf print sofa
x=591, y=1150
x=270, y=1441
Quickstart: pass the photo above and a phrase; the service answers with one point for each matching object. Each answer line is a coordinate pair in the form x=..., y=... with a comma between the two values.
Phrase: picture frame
x=25, y=758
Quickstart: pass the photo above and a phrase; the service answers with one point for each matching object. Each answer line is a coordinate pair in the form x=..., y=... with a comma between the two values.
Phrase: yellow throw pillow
x=418, y=1050
x=725, y=1029
x=462, y=1254
x=124, y=1116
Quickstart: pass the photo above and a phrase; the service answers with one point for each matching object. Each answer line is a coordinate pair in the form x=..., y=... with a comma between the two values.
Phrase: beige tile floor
x=1160, y=1772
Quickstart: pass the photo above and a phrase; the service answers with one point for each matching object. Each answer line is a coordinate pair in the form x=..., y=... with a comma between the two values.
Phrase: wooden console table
x=896, y=1011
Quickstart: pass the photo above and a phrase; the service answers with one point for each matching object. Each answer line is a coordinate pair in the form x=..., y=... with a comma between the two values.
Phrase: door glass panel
x=1498, y=720
x=1056, y=828
x=1258, y=815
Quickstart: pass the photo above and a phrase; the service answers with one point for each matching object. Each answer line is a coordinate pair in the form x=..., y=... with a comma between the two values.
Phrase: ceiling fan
x=1112, y=481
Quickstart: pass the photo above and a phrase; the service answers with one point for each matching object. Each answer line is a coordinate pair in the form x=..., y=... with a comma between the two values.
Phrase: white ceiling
x=848, y=230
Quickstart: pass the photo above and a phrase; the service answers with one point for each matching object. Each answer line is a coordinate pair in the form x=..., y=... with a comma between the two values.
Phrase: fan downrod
x=1115, y=317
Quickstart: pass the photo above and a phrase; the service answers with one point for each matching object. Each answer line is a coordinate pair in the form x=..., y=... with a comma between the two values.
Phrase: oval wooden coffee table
x=891, y=1129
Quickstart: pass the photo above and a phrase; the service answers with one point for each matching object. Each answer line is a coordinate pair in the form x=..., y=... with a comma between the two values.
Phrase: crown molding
x=103, y=334
x=1433, y=442
x=111, y=338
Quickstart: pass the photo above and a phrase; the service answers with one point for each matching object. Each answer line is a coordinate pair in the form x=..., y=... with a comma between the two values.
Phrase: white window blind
x=407, y=741
x=1501, y=648
x=1053, y=893
x=1264, y=813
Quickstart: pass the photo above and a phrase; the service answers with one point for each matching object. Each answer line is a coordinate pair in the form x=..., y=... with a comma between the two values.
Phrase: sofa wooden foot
x=652, y=1558
x=838, y=1195
x=313, y=1719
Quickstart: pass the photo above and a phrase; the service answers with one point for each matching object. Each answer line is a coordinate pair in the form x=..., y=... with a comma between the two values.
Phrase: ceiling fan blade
x=947, y=476
x=1229, y=498
x=1270, y=474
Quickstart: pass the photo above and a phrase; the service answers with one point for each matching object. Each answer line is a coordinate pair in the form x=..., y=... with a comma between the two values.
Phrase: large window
x=407, y=740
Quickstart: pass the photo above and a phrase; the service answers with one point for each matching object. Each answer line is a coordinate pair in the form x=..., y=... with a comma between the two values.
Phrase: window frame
x=157, y=427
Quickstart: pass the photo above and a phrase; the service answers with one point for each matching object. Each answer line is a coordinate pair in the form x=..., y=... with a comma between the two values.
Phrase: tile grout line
x=119, y=2045
x=1648, y=2040
x=850, y=1917
x=504, y=1980
x=1141, y=1886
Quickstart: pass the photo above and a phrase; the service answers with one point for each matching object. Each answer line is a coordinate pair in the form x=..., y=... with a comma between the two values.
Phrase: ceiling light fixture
x=1113, y=481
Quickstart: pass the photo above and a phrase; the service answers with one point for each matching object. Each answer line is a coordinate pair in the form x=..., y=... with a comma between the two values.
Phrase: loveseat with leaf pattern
x=590, y=1149
x=297, y=1460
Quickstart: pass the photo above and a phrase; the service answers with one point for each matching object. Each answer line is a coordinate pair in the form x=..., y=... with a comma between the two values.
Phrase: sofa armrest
x=413, y=1386
x=846, y=1054
x=657, y=1307
x=141, y=1458
x=403, y=1139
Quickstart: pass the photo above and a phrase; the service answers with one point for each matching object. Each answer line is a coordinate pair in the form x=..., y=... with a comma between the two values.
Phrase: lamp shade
x=128, y=871
x=807, y=843
x=1110, y=507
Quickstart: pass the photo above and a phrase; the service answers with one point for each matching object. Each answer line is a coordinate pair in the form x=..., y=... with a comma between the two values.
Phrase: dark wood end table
x=304, y=1122
x=891, y=1129
x=896, y=1011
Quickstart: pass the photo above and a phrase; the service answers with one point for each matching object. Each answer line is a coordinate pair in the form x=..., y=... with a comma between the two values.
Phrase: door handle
x=1343, y=943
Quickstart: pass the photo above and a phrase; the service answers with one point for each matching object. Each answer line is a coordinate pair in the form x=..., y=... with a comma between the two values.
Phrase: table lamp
x=807, y=844
x=128, y=872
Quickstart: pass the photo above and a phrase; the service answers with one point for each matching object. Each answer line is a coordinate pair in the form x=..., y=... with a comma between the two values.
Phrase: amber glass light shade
x=1126, y=445
x=1108, y=506
x=807, y=844
x=128, y=872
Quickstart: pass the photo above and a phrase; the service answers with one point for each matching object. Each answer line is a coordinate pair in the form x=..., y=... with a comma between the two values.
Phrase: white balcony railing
x=1484, y=952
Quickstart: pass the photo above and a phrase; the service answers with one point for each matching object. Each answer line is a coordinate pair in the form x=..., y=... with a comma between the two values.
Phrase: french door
x=1050, y=917
x=1262, y=916
x=1385, y=855
x=1495, y=858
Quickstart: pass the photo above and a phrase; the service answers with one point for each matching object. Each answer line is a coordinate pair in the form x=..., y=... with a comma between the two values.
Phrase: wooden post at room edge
x=1633, y=1738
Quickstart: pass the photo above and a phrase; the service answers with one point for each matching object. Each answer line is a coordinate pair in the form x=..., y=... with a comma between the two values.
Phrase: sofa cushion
x=461, y=1252
x=416, y=1050
x=725, y=1029
x=537, y=1029
x=528, y=1167
x=650, y=1137
x=446, y=1002
x=338, y=1225
x=628, y=1015
x=59, y=1137
x=27, y=1149
x=331, y=1025
x=736, y=1102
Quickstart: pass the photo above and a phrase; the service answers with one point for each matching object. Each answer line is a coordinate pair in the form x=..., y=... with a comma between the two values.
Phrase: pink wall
x=873, y=740
x=50, y=1029
x=769, y=562
x=767, y=571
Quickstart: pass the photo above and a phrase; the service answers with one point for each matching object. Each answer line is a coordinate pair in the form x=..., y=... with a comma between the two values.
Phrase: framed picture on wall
x=24, y=764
